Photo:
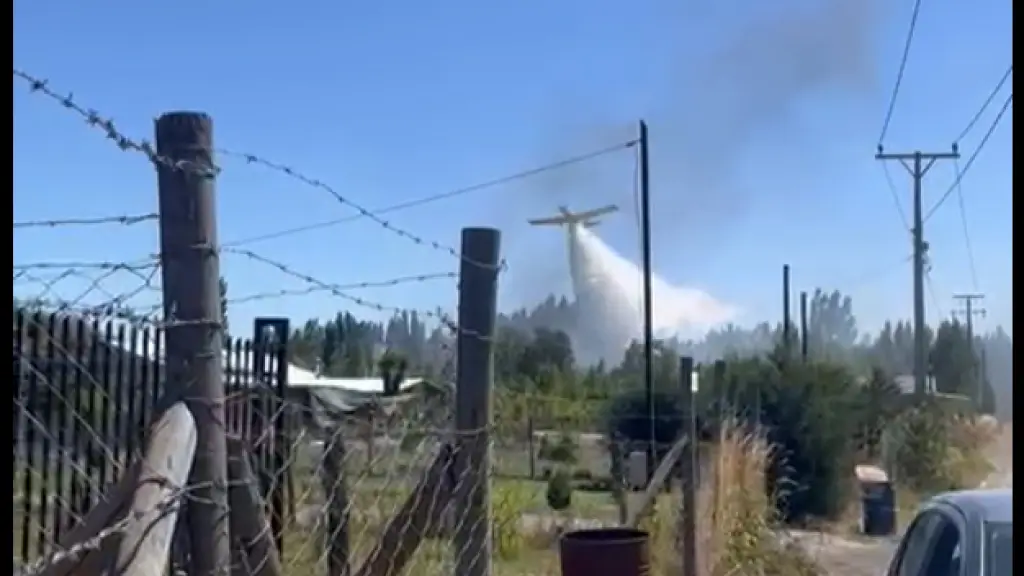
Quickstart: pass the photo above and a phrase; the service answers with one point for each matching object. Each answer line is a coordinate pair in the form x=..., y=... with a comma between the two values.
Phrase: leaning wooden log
x=145, y=546
x=83, y=547
x=129, y=532
x=406, y=529
x=254, y=550
x=657, y=483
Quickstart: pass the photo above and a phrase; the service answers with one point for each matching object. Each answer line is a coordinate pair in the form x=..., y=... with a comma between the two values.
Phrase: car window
x=943, y=561
x=999, y=549
x=915, y=545
x=929, y=547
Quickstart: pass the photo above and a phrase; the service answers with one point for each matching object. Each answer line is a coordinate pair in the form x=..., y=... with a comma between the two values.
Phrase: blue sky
x=763, y=120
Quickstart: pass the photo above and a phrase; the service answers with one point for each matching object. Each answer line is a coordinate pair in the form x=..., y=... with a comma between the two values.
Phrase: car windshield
x=999, y=558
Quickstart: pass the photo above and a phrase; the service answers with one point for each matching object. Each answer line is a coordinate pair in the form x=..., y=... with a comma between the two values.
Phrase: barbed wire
x=372, y=497
x=332, y=289
x=70, y=293
x=134, y=266
x=118, y=305
x=355, y=286
x=91, y=281
x=127, y=220
x=446, y=195
x=363, y=212
x=93, y=118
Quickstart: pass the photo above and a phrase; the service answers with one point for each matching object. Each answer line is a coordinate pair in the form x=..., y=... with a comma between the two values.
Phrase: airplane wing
x=591, y=214
x=543, y=221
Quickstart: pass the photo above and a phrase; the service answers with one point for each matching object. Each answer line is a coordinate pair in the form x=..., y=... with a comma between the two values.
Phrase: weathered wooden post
x=192, y=309
x=478, y=296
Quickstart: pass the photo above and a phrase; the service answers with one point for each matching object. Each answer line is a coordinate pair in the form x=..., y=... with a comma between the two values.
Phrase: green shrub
x=508, y=502
x=562, y=450
x=806, y=411
x=931, y=449
x=559, y=492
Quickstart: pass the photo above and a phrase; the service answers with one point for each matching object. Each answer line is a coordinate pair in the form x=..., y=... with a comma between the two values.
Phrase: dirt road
x=841, y=556
x=1001, y=456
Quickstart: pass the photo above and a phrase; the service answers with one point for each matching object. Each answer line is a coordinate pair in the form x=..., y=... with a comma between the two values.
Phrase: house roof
x=150, y=344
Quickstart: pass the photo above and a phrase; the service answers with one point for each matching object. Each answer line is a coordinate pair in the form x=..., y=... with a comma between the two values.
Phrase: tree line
x=535, y=349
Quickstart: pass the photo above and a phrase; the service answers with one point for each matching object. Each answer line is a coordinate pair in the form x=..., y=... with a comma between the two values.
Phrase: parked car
x=963, y=533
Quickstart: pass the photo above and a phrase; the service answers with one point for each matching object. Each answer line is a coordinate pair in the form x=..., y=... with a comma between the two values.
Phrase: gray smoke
x=711, y=107
x=744, y=97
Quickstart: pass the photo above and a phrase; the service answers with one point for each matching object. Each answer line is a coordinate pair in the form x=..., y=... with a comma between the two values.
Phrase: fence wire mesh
x=323, y=477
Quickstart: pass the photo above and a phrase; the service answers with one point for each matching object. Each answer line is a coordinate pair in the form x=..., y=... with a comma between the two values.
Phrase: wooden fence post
x=688, y=466
x=478, y=296
x=194, y=335
x=335, y=487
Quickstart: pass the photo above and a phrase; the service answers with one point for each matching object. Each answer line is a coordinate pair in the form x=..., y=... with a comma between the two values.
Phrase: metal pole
x=688, y=471
x=271, y=336
x=645, y=239
x=192, y=309
x=478, y=300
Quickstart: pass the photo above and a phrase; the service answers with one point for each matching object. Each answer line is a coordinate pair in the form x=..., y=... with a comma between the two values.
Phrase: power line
x=966, y=229
x=931, y=292
x=958, y=179
x=528, y=173
x=902, y=70
x=970, y=161
x=876, y=274
x=895, y=196
x=984, y=107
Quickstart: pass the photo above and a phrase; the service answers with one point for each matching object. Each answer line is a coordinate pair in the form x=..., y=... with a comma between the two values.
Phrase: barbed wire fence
x=282, y=477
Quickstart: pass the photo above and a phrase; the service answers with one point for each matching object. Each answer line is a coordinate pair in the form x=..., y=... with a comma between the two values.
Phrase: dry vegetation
x=736, y=526
x=737, y=522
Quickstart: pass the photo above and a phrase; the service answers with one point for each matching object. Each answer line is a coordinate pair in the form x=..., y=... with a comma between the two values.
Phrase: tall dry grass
x=935, y=450
x=736, y=517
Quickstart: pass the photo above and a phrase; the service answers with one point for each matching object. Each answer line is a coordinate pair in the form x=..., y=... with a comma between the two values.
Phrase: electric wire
x=415, y=203
x=974, y=156
x=900, y=72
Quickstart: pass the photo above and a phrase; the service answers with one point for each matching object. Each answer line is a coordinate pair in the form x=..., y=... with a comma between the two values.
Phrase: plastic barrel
x=605, y=551
x=879, y=509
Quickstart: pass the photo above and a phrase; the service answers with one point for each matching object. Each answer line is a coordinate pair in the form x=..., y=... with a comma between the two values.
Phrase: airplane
x=585, y=218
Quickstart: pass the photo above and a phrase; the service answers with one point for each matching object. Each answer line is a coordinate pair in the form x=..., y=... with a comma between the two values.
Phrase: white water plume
x=609, y=292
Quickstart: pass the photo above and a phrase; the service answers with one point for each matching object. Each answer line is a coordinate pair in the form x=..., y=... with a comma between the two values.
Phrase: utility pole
x=917, y=165
x=645, y=239
x=786, y=320
x=803, y=326
x=688, y=466
x=968, y=313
